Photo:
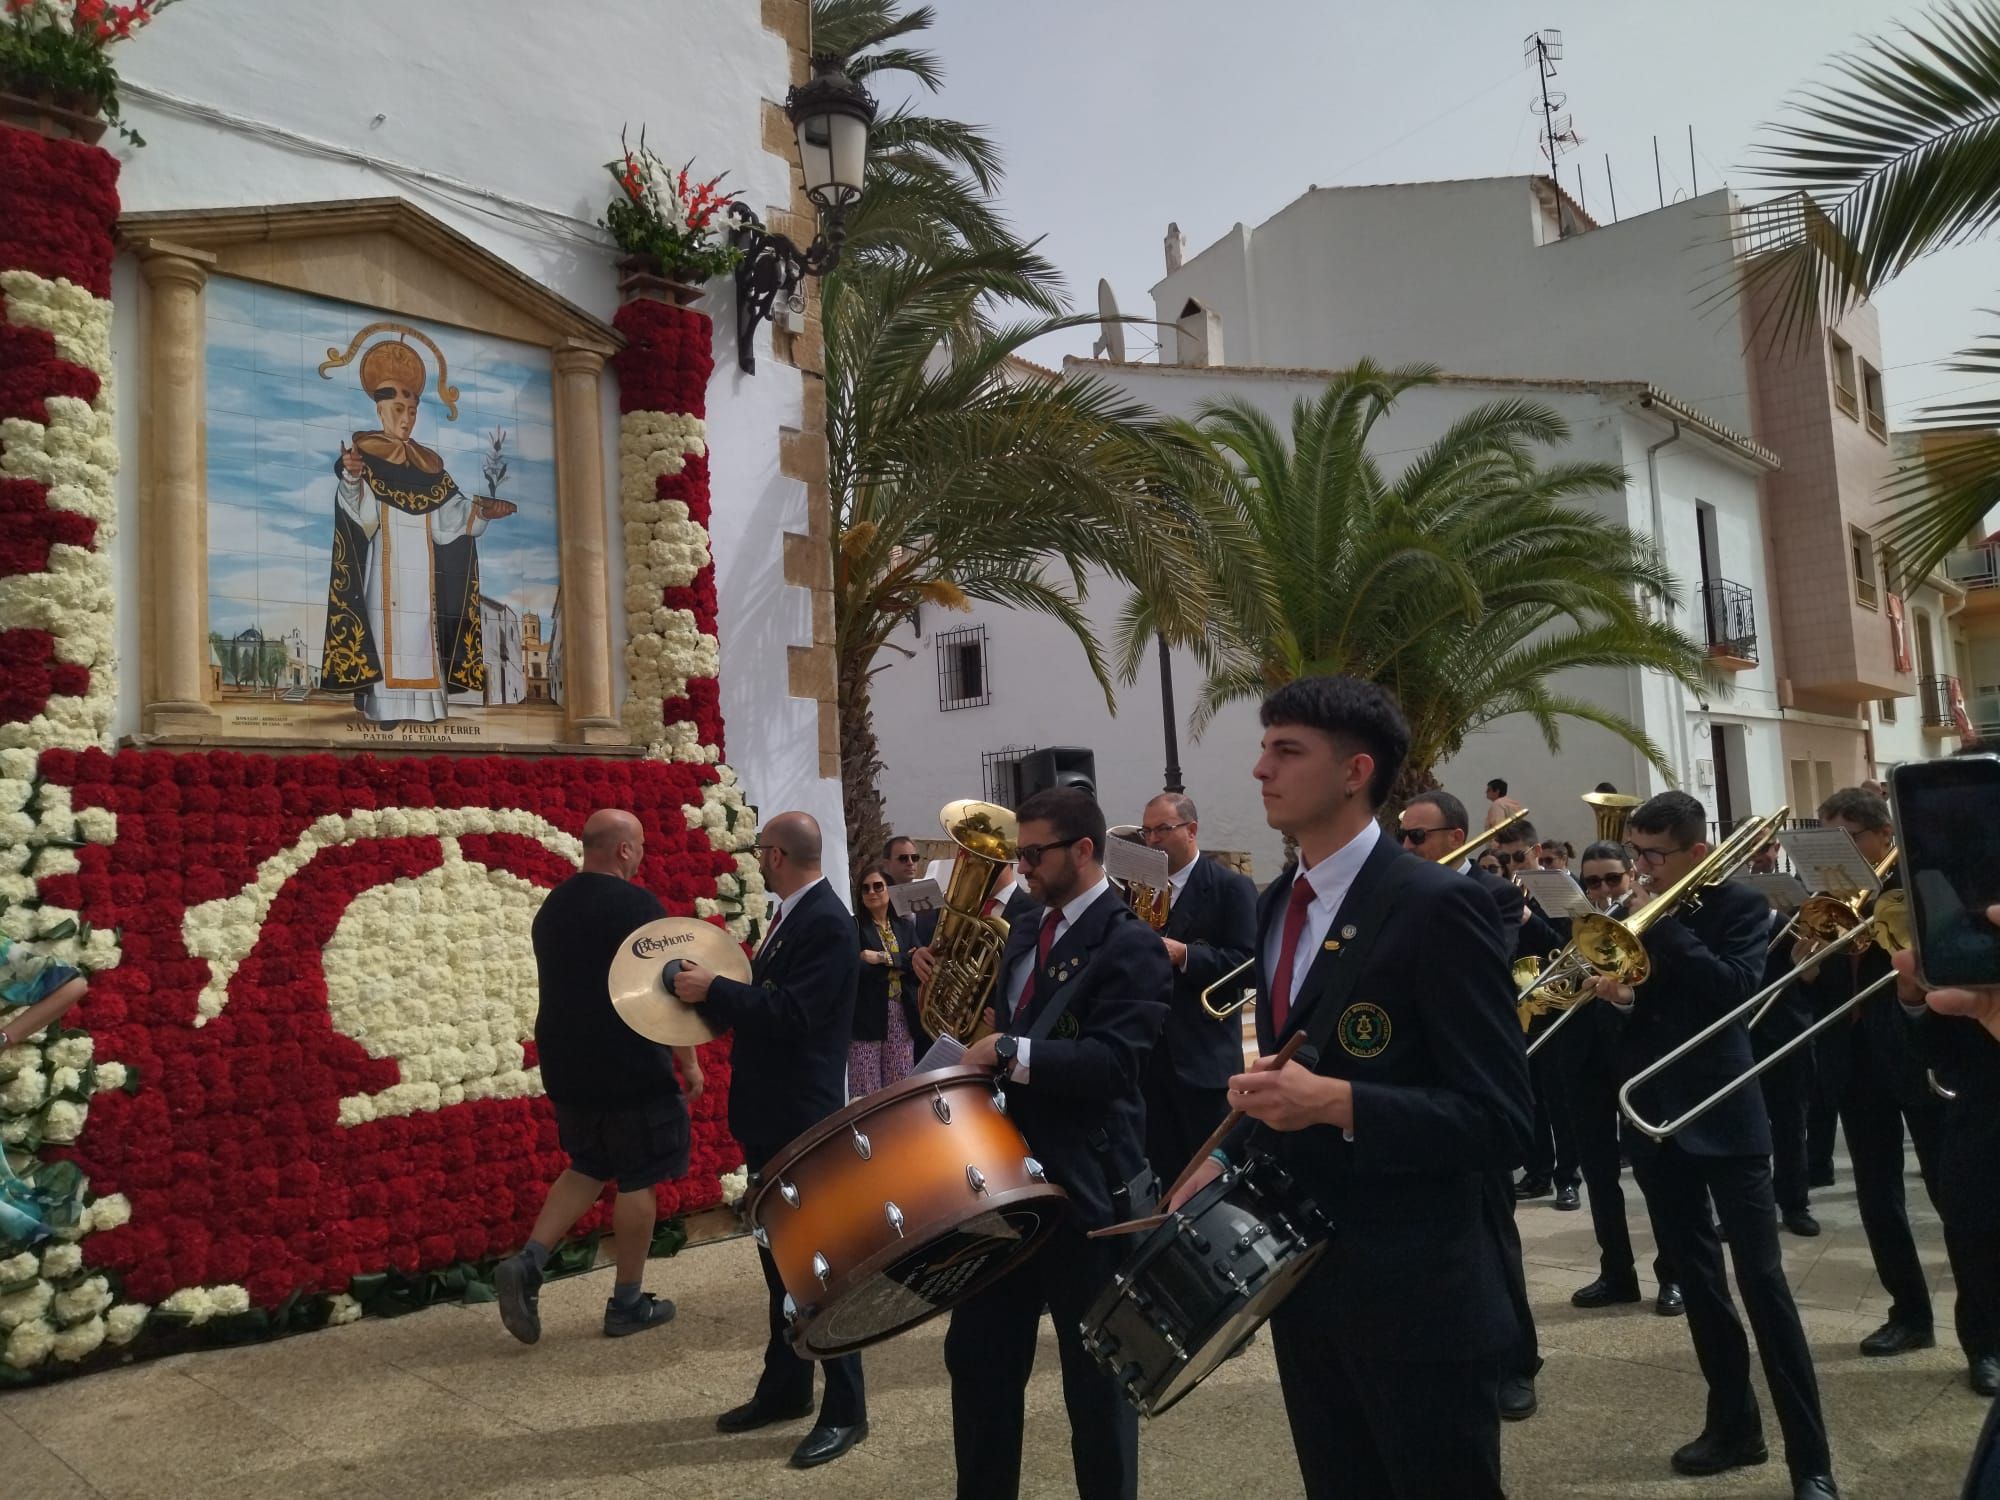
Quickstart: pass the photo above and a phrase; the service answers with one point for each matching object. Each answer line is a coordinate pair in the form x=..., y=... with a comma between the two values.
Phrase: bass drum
x=900, y=1207
x=1198, y=1286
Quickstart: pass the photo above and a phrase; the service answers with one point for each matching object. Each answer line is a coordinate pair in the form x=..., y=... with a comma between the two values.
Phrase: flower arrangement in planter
x=56, y=75
x=668, y=225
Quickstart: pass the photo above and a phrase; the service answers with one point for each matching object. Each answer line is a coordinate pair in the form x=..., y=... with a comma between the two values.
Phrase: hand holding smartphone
x=1948, y=829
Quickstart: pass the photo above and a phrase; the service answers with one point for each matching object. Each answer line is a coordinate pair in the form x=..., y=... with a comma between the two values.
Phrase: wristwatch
x=1006, y=1050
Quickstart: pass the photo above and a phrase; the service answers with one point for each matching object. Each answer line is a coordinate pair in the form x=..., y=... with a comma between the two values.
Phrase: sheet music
x=945, y=1052
x=1785, y=892
x=1124, y=860
x=1825, y=859
x=914, y=896
x=1553, y=890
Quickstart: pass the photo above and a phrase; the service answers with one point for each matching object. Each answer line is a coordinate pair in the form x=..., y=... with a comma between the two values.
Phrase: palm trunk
x=860, y=767
x=1416, y=776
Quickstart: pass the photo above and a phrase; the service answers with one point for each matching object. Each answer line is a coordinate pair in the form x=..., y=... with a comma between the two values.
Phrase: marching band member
x=1551, y=1167
x=1433, y=824
x=1389, y=1351
x=1871, y=1070
x=1593, y=1101
x=792, y=1022
x=1211, y=928
x=1705, y=961
x=1080, y=1001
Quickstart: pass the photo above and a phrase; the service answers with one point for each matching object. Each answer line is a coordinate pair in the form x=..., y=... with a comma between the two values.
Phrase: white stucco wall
x=1042, y=693
x=526, y=105
x=1456, y=274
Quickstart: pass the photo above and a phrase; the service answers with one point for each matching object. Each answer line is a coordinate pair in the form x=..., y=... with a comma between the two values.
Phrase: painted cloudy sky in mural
x=275, y=429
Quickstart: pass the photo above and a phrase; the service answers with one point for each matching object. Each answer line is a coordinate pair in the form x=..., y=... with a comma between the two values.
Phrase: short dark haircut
x=1605, y=786
x=1072, y=813
x=889, y=844
x=1857, y=805
x=1607, y=849
x=1497, y=785
x=1674, y=813
x=1449, y=807
x=1363, y=717
x=1517, y=833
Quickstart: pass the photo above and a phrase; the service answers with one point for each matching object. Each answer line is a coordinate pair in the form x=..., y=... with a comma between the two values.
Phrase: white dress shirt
x=1330, y=880
x=1177, y=884
x=1017, y=981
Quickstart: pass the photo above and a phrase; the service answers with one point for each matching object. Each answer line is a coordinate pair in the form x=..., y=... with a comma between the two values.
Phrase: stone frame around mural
x=380, y=253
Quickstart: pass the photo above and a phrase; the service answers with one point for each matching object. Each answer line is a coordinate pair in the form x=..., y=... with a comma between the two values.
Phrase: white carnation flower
x=123, y=1323
x=30, y=1344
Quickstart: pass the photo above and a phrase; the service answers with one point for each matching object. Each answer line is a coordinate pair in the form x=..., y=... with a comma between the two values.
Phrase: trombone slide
x=1224, y=1012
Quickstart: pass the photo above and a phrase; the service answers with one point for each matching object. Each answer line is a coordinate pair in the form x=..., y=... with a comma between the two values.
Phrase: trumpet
x=1148, y=903
x=1614, y=946
x=1466, y=850
x=1886, y=922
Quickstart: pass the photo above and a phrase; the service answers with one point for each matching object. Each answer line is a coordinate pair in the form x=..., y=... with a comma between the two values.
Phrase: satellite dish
x=1111, y=335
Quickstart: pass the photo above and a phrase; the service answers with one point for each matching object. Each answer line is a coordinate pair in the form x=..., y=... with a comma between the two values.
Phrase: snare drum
x=900, y=1207
x=1198, y=1286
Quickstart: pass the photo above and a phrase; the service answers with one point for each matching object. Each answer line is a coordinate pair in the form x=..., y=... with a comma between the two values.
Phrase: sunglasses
x=1417, y=835
x=1030, y=855
x=1512, y=856
x=1592, y=882
x=875, y=885
x=909, y=859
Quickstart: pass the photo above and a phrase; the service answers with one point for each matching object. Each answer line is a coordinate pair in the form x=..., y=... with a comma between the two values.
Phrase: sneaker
x=648, y=1312
x=518, y=1286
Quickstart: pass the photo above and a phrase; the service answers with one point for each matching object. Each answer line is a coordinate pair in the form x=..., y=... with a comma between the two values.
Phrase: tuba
x=966, y=944
x=1612, y=809
x=1148, y=905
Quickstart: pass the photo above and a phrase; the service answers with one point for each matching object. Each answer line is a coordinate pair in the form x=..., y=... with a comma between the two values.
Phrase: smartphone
x=1948, y=829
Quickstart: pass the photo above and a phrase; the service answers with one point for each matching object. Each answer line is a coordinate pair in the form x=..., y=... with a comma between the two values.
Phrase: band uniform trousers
x=787, y=1380
x=989, y=1352
x=1552, y=1149
x=1873, y=1118
x=1593, y=1109
x=1678, y=1187
x=1788, y=1089
x=1524, y=1358
x=1180, y=1115
x=1436, y=1416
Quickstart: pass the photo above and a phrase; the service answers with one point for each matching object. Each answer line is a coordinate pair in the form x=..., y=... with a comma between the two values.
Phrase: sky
x=275, y=428
x=1116, y=116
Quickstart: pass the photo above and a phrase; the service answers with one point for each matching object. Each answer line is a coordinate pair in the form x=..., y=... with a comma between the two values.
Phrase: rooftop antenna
x=1111, y=329
x=1558, y=133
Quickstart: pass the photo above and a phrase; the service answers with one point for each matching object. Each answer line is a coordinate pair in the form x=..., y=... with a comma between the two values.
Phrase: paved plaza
x=443, y=1403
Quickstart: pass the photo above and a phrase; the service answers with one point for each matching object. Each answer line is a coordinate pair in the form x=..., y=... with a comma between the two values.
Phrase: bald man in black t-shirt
x=620, y=1111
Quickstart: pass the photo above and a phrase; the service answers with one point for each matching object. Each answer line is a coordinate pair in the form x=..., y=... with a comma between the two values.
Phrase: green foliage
x=60, y=48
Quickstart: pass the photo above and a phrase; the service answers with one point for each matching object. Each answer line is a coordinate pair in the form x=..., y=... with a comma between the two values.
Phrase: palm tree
x=1897, y=159
x=956, y=472
x=1466, y=584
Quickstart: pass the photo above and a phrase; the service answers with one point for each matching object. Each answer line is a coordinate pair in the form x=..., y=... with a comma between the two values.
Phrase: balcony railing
x=1935, y=693
x=1729, y=613
x=1974, y=567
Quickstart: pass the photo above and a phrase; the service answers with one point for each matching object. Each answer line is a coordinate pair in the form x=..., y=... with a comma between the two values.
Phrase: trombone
x=1224, y=1012
x=1603, y=944
x=1466, y=850
x=1824, y=918
x=1887, y=923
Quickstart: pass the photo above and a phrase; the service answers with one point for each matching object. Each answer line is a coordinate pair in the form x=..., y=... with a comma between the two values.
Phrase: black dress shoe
x=1567, y=1198
x=753, y=1414
x=824, y=1444
x=1984, y=1375
x=1669, y=1304
x=1897, y=1338
x=1604, y=1292
x=1713, y=1455
x=1815, y=1487
x=1800, y=1222
x=1517, y=1398
x=1532, y=1187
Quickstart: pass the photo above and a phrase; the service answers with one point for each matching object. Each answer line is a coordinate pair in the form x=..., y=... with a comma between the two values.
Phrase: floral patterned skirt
x=876, y=1065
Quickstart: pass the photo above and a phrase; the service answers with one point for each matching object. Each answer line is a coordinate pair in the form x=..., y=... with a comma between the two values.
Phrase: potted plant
x=667, y=225
x=56, y=76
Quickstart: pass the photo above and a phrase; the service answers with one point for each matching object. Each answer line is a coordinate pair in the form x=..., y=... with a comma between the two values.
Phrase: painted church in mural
x=364, y=525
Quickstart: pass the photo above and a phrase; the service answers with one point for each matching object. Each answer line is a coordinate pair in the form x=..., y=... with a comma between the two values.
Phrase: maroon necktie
x=1051, y=919
x=1288, y=944
x=993, y=904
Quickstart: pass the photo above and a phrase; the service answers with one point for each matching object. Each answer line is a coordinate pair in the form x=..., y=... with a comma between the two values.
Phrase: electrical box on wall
x=1704, y=773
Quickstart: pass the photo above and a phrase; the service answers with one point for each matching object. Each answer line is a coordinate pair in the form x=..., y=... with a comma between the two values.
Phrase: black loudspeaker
x=1059, y=765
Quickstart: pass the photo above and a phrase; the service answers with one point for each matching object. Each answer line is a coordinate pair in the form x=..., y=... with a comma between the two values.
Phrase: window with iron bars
x=1000, y=773
x=963, y=681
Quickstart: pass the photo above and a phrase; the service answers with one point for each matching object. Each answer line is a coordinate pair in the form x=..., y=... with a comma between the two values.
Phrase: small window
x=1885, y=710
x=1845, y=391
x=1000, y=773
x=962, y=677
x=1861, y=552
x=1872, y=402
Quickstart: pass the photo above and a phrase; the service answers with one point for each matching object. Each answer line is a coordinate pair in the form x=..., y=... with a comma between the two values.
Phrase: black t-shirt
x=589, y=1056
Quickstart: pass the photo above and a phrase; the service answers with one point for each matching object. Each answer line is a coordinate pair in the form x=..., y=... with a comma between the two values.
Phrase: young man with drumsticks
x=1396, y=970
x=1079, y=1002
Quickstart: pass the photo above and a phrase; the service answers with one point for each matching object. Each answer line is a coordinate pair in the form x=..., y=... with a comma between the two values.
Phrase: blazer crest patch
x=1363, y=1030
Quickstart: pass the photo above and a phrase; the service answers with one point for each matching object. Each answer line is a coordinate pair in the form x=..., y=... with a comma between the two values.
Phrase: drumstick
x=1134, y=1226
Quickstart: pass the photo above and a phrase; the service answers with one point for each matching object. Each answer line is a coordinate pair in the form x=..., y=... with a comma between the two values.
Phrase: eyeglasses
x=874, y=885
x=1161, y=830
x=1652, y=859
x=1416, y=835
x=1592, y=882
x=764, y=848
x=1030, y=855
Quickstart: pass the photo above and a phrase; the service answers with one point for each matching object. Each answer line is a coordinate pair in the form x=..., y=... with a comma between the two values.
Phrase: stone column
x=590, y=703
x=172, y=489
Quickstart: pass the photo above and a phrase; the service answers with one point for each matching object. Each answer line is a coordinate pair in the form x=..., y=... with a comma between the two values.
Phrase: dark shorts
x=636, y=1147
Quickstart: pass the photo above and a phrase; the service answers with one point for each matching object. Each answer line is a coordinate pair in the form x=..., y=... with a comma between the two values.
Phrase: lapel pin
x=1331, y=945
x=1348, y=933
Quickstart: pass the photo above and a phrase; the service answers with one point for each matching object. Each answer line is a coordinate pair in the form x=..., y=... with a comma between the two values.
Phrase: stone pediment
x=377, y=252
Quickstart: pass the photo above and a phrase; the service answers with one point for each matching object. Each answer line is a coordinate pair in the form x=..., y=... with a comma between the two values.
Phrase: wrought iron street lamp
x=832, y=115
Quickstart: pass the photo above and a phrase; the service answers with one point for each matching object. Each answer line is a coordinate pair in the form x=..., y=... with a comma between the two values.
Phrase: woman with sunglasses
x=881, y=1051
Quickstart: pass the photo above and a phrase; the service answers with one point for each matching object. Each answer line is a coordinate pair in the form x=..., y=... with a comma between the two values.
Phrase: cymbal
x=643, y=968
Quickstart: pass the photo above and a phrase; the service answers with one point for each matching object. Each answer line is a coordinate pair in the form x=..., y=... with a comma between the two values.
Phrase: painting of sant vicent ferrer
x=381, y=521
